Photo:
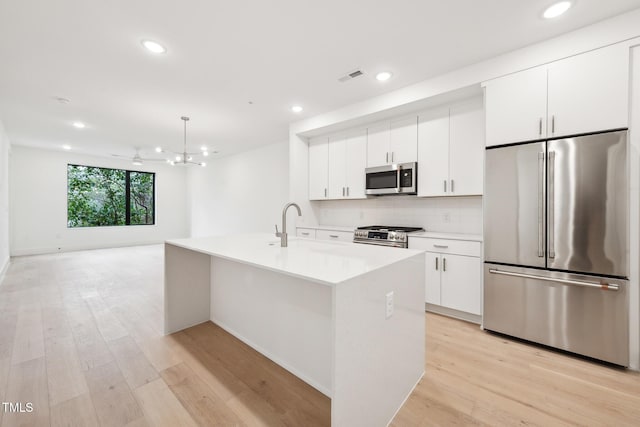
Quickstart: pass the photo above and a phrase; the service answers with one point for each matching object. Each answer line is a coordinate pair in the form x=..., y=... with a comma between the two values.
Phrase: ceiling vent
x=350, y=76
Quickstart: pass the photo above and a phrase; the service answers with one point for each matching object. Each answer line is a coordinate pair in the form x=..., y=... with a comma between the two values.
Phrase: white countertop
x=316, y=260
x=328, y=227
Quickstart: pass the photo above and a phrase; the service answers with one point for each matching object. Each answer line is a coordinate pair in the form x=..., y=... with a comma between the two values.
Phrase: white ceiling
x=223, y=54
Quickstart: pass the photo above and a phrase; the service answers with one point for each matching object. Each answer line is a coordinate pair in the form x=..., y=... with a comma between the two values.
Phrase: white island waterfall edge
x=315, y=308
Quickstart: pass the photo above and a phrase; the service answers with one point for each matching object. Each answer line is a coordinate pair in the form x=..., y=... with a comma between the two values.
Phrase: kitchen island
x=347, y=319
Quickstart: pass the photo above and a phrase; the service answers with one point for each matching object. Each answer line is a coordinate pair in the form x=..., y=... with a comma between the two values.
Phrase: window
x=98, y=197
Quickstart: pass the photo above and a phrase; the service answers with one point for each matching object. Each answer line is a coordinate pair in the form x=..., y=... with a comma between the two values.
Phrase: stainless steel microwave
x=395, y=179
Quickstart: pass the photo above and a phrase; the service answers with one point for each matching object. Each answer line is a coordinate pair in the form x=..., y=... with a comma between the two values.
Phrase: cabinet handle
x=452, y=190
x=387, y=161
x=553, y=124
x=540, y=127
x=441, y=246
x=444, y=264
x=342, y=191
x=445, y=185
x=333, y=236
x=347, y=191
x=436, y=263
x=392, y=157
x=304, y=234
x=325, y=192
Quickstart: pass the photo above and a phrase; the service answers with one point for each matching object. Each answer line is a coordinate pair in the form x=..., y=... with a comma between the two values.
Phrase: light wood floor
x=81, y=339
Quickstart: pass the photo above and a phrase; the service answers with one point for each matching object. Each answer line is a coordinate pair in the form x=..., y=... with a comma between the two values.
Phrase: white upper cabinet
x=378, y=137
x=466, y=148
x=451, y=150
x=336, y=166
x=589, y=92
x=433, y=152
x=356, y=162
x=403, y=147
x=318, y=168
x=581, y=94
x=516, y=107
x=394, y=141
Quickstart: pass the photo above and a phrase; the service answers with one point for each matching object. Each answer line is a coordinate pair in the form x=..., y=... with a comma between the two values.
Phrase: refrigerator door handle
x=603, y=286
x=541, y=204
x=550, y=220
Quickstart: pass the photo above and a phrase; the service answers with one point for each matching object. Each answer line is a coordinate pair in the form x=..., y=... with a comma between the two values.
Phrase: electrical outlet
x=389, y=305
x=446, y=217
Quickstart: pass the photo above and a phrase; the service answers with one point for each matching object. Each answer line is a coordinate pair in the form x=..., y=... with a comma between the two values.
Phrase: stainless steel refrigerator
x=556, y=235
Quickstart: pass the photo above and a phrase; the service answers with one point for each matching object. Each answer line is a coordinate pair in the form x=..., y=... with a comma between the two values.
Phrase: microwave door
x=383, y=182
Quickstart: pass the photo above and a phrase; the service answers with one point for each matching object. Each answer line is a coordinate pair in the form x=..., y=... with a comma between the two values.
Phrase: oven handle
x=604, y=286
x=398, y=179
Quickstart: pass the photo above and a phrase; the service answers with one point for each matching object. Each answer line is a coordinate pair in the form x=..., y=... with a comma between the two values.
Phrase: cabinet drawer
x=341, y=236
x=307, y=233
x=458, y=247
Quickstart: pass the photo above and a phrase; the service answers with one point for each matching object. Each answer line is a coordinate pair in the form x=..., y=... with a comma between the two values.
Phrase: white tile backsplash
x=441, y=214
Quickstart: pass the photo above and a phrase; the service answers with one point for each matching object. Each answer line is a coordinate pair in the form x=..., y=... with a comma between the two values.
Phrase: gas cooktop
x=384, y=235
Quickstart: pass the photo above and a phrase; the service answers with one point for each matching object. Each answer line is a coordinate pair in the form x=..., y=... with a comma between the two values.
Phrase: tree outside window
x=98, y=197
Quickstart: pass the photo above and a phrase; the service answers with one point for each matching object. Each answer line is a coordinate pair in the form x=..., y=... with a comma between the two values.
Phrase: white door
x=403, y=147
x=589, y=92
x=460, y=288
x=356, y=162
x=433, y=152
x=466, y=148
x=432, y=278
x=318, y=168
x=378, y=144
x=516, y=107
x=337, y=167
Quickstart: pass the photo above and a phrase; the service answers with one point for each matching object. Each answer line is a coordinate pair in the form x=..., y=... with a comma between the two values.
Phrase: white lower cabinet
x=453, y=276
x=324, y=234
x=338, y=236
x=306, y=233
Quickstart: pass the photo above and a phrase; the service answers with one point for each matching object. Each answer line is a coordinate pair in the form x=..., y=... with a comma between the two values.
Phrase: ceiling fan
x=185, y=157
x=137, y=159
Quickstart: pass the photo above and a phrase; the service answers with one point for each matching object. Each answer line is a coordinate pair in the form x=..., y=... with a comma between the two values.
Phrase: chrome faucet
x=283, y=235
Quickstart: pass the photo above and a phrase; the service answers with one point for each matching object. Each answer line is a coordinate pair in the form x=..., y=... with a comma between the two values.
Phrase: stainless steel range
x=384, y=235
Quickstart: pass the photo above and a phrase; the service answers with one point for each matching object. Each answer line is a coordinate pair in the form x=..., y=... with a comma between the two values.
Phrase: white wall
x=240, y=193
x=4, y=200
x=38, y=204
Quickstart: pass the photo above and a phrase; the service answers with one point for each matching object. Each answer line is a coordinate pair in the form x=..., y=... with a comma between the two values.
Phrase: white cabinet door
x=460, y=283
x=589, y=92
x=403, y=146
x=516, y=107
x=336, y=236
x=466, y=148
x=337, y=167
x=432, y=278
x=378, y=144
x=356, y=162
x=318, y=168
x=433, y=152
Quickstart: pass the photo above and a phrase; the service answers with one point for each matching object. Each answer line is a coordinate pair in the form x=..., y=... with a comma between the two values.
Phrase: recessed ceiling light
x=158, y=149
x=79, y=125
x=296, y=109
x=203, y=164
x=66, y=147
x=383, y=76
x=153, y=47
x=204, y=148
x=178, y=159
x=556, y=9
x=205, y=153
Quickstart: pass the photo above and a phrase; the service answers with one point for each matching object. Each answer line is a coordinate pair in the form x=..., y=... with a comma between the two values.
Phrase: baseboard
x=54, y=250
x=468, y=317
x=4, y=268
